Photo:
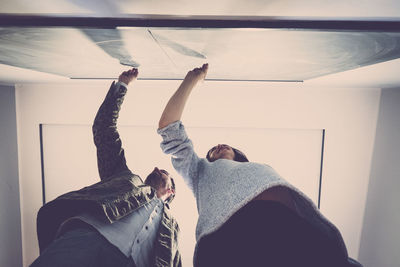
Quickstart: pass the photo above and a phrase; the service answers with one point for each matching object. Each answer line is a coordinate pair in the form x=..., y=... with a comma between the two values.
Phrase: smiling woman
x=225, y=152
x=248, y=214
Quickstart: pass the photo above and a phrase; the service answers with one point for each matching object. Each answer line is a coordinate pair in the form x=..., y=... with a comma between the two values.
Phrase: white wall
x=380, y=241
x=348, y=115
x=10, y=218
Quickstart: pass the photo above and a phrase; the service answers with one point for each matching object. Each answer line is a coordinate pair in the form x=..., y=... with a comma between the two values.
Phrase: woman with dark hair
x=248, y=214
x=237, y=154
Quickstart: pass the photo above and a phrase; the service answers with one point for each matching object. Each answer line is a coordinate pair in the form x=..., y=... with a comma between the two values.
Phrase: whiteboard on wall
x=69, y=160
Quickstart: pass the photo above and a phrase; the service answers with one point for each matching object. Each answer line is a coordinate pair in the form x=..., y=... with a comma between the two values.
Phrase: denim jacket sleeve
x=110, y=154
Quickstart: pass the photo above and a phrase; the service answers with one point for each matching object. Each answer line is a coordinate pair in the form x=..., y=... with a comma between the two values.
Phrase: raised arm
x=174, y=108
x=110, y=154
x=175, y=140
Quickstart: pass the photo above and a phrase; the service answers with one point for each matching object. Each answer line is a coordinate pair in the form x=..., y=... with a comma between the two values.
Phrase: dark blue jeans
x=82, y=247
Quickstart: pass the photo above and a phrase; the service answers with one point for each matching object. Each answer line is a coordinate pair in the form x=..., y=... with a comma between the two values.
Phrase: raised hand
x=197, y=74
x=128, y=76
x=174, y=108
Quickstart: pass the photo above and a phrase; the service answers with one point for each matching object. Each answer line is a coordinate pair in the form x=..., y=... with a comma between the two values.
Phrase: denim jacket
x=119, y=193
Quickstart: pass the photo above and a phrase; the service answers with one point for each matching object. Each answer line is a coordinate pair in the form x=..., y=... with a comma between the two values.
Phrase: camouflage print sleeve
x=110, y=154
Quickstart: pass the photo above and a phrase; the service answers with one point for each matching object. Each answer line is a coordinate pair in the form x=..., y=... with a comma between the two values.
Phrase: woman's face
x=222, y=151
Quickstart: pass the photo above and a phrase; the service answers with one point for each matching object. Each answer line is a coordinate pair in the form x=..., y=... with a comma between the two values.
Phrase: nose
x=221, y=146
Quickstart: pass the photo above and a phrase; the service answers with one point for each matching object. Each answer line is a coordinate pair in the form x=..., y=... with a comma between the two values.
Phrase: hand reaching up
x=197, y=74
x=128, y=76
x=174, y=108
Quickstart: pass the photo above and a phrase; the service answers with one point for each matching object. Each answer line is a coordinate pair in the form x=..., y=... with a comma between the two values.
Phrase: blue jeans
x=82, y=247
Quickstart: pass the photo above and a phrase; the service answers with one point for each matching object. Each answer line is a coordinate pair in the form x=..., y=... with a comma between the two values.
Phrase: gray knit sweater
x=224, y=186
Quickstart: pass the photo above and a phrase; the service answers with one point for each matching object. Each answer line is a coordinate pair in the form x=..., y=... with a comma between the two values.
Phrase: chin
x=227, y=158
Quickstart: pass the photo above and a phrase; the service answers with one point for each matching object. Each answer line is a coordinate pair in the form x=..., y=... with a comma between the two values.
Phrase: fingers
x=131, y=72
x=202, y=71
x=197, y=74
x=128, y=76
x=205, y=68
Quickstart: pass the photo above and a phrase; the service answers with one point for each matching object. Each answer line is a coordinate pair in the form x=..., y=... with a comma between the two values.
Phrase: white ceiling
x=320, y=8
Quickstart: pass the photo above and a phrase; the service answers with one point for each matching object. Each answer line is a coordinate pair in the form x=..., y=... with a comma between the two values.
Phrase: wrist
x=190, y=82
x=123, y=83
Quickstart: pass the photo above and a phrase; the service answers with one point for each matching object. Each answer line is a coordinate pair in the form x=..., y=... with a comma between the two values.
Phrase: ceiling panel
x=167, y=53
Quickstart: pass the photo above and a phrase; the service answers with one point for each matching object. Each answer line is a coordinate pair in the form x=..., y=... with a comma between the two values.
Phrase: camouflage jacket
x=119, y=193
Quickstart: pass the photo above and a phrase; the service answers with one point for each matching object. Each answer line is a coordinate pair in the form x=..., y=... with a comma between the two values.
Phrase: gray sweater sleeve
x=184, y=159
